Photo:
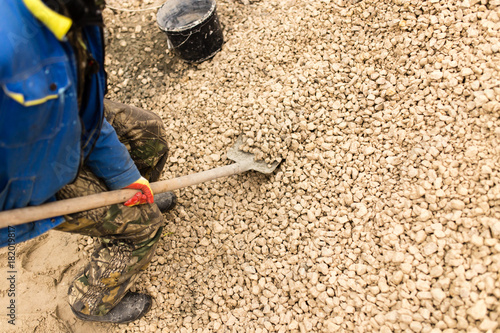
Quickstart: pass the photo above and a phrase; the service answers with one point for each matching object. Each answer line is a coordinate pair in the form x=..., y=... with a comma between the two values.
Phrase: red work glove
x=140, y=198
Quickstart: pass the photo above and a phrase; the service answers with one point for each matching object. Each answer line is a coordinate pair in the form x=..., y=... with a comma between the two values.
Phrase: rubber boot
x=132, y=307
x=165, y=201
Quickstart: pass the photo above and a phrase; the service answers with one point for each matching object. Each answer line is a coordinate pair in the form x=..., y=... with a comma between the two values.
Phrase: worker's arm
x=111, y=161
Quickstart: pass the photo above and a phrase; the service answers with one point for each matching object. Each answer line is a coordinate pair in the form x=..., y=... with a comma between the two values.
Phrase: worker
x=59, y=139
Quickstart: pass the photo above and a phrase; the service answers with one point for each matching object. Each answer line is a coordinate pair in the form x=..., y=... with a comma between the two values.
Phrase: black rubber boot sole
x=131, y=308
x=165, y=201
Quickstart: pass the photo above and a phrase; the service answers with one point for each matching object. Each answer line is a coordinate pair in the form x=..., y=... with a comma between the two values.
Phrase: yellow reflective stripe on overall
x=58, y=24
x=18, y=97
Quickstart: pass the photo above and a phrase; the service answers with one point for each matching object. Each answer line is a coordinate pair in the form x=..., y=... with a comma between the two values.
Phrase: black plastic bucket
x=192, y=28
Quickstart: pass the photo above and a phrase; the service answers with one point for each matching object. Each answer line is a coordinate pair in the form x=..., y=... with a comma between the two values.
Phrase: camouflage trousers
x=128, y=235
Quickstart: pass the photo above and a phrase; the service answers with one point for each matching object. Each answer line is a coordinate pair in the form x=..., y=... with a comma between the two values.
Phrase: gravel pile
x=384, y=215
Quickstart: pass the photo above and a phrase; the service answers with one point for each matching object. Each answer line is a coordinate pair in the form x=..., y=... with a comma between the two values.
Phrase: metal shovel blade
x=246, y=160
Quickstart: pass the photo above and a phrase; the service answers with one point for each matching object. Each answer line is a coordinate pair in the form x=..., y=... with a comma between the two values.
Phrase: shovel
x=244, y=162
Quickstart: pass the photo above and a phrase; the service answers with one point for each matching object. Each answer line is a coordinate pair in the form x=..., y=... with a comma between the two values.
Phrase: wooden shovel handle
x=74, y=205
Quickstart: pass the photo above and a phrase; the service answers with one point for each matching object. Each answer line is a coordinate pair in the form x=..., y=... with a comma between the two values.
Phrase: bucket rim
x=187, y=26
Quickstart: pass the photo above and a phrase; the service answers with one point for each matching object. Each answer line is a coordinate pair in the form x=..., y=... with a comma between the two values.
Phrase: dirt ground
x=44, y=266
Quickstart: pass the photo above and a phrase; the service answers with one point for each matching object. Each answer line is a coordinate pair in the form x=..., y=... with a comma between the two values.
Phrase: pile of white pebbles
x=384, y=215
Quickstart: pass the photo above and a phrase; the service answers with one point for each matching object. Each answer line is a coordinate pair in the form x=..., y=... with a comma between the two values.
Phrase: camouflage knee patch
x=143, y=133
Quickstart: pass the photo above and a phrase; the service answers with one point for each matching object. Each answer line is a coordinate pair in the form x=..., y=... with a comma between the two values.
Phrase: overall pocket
x=42, y=96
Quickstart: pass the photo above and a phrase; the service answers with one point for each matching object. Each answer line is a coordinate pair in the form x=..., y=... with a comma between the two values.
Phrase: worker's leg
x=128, y=239
x=129, y=235
x=143, y=133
